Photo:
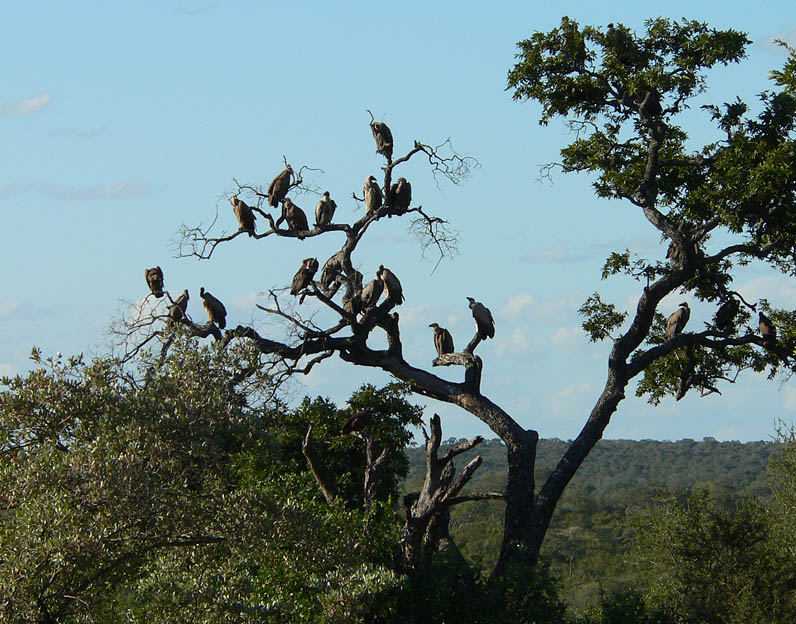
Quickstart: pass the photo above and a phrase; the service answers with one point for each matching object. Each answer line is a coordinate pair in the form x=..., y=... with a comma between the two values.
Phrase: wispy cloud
x=560, y=255
x=517, y=343
x=119, y=190
x=77, y=133
x=567, y=335
x=196, y=10
x=516, y=304
x=9, y=190
x=17, y=310
x=25, y=107
x=788, y=36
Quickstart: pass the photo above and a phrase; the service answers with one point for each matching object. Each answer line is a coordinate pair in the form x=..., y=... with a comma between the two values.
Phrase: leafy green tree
x=707, y=560
x=167, y=490
x=723, y=204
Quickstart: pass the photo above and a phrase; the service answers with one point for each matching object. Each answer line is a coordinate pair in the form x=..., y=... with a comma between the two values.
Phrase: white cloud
x=517, y=343
x=780, y=291
x=790, y=398
x=27, y=106
x=573, y=390
x=516, y=304
x=76, y=133
x=416, y=316
x=7, y=308
x=566, y=335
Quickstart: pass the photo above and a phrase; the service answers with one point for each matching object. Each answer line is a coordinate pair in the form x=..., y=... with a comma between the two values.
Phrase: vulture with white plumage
x=304, y=275
x=180, y=306
x=484, y=322
x=244, y=214
x=766, y=327
x=324, y=210
x=279, y=186
x=373, y=196
x=677, y=320
x=331, y=269
x=370, y=294
x=392, y=285
x=154, y=279
x=215, y=310
x=443, y=341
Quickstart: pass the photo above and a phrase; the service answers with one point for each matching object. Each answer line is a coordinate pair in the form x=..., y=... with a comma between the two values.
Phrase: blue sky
x=123, y=121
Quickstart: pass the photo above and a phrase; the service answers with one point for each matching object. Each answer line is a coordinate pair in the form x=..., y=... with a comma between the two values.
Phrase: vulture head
x=471, y=300
x=434, y=325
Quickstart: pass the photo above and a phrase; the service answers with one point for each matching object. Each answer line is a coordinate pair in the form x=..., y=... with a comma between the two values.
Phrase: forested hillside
x=590, y=535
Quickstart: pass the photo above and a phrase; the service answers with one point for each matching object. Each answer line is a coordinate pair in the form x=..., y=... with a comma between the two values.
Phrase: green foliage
x=98, y=473
x=713, y=560
x=601, y=318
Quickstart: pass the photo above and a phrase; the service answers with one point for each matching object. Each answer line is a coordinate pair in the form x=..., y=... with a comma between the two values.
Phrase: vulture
x=216, y=311
x=674, y=253
x=649, y=103
x=677, y=320
x=767, y=329
x=726, y=313
x=370, y=294
x=295, y=217
x=244, y=214
x=443, y=340
x=179, y=307
x=277, y=190
x=391, y=284
x=484, y=322
x=352, y=305
x=324, y=210
x=332, y=268
x=401, y=193
x=383, y=136
x=304, y=275
x=357, y=422
x=154, y=279
x=373, y=196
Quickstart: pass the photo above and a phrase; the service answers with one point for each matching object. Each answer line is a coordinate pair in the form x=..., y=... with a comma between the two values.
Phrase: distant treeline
x=589, y=536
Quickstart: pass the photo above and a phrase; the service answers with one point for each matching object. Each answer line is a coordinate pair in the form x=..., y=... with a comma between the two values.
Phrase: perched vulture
x=677, y=320
x=373, y=196
x=304, y=275
x=332, y=268
x=357, y=422
x=178, y=309
x=391, y=284
x=244, y=214
x=767, y=329
x=649, y=103
x=726, y=313
x=216, y=311
x=383, y=136
x=154, y=279
x=295, y=217
x=674, y=253
x=484, y=322
x=401, y=193
x=277, y=190
x=370, y=294
x=324, y=210
x=443, y=340
x=352, y=305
